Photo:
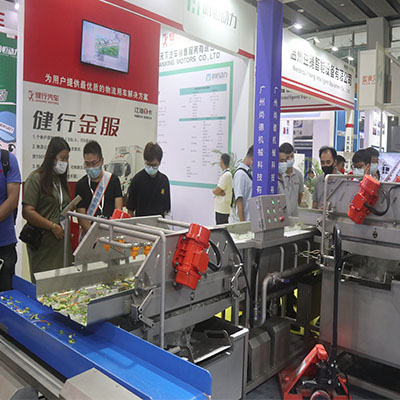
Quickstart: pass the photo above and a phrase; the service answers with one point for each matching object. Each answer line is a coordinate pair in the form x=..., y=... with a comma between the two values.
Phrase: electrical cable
x=387, y=197
x=217, y=253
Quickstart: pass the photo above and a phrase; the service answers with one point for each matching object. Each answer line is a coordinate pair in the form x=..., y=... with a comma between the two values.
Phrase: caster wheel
x=320, y=395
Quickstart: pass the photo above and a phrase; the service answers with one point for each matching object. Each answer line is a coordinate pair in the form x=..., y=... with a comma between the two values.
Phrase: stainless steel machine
x=369, y=294
x=176, y=317
x=277, y=254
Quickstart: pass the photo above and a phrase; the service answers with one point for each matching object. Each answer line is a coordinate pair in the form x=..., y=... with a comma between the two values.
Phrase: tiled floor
x=270, y=391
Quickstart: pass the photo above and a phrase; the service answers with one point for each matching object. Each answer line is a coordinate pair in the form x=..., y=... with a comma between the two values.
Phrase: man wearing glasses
x=100, y=190
x=149, y=192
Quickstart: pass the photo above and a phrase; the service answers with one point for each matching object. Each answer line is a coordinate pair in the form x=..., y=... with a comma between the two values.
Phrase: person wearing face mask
x=100, y=190
x=290, y=179
x=374, y=168
x=149, y=192
x=340, y=163
x=327, y=156
x=46, y=193
x=361, y=162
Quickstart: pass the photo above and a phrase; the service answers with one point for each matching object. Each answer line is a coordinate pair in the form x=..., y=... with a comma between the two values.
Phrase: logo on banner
x=143, y=112
x=43, y=97
x=209, y=9
x=8, y=51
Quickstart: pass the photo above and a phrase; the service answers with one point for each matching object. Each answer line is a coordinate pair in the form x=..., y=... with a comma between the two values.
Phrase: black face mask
x=328, y=169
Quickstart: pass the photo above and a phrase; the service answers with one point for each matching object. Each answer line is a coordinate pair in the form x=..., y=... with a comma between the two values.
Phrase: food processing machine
x=369, y=292
x=143, y=277
x=278, y=258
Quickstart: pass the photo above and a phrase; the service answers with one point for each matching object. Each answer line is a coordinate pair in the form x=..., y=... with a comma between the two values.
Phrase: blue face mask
x=93, y=173
x=290, y=163
x=151, y=170
x=283, y=166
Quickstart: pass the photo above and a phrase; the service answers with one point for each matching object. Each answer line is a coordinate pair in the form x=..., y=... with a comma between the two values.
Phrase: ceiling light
x=350, y=58
x=316, y=40
x=300, y=10
x=334, y=48
x=392, y=119
x=16, y=5
x=298, y=26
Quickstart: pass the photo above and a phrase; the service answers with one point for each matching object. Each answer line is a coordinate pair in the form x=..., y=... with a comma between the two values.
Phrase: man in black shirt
x=149, y=192
x=104, y=187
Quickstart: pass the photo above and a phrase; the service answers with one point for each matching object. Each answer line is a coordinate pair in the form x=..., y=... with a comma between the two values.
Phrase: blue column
x=267, y=97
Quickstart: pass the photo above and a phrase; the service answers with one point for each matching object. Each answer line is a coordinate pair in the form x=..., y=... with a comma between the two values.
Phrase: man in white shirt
x=242, y=185
x=223, y=192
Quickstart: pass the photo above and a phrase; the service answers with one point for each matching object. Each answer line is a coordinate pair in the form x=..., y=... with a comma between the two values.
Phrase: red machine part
x=368, y=194
x=190, y=258
x=308, y=369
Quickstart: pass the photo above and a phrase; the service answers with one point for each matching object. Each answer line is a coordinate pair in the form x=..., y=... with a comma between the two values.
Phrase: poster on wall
x=8, y=88
x=195, y=110
x=101, y=84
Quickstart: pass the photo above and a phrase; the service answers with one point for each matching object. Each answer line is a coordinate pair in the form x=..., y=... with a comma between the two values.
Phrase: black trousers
x=8, y=259
x=221, y=218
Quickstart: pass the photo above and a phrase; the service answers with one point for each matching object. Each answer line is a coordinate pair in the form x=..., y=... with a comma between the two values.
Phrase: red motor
x=368, y=194
x=190, y=258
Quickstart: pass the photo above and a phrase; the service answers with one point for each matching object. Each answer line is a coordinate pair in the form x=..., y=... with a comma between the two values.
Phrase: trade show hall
x=199, y=199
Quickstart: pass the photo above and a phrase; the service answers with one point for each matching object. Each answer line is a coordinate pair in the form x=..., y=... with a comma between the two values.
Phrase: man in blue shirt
x=10, y=181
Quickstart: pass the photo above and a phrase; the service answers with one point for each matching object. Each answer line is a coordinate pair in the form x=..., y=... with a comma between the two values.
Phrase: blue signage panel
x=267, y=97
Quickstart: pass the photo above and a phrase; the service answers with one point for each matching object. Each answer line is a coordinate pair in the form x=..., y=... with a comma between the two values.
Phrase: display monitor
x=105, y=47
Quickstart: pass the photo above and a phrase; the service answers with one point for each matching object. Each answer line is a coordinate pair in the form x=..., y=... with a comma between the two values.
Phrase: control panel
x=268, y=213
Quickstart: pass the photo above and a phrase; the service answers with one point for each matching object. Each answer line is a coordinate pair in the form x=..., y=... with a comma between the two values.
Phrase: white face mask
x=290, y=163
x=358, y=171
x=283, y=166
x=374, y=168
x=61, y=167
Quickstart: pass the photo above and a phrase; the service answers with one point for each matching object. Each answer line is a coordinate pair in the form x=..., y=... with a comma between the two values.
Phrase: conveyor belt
x=139, y=366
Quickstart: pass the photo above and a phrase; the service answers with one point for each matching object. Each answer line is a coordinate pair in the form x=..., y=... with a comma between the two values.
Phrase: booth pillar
x=267, y=96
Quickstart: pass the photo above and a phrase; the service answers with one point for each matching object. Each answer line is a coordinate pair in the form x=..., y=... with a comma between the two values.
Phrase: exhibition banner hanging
x=267, y=97
x=8, y=88
x=93, y=75
x=371, y=79
x=314, y=72
x=213, y=21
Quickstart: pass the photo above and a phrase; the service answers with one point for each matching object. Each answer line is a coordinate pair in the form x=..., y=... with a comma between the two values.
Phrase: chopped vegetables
x=74, y=303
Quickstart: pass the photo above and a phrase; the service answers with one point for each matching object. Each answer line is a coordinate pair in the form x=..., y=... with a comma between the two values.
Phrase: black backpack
x=248, y=174
x=5, y=162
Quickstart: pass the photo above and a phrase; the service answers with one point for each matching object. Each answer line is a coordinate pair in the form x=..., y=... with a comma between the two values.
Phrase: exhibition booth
x=181, y=74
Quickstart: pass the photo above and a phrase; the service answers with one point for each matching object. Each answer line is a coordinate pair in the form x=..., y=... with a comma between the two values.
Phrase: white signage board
x=366, y=79
x=316, y=73
x=214, y=21
x=79, y=117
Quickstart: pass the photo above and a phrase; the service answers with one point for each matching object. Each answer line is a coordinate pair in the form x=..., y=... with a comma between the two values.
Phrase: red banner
x=52, y=49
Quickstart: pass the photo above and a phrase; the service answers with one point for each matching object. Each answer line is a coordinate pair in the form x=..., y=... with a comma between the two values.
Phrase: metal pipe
x=173, y=223
x=296, y=254
x=308, y=250
x=117, y=244
x=282, y=258
x=106, y=223
x=129, y=232
x=279, y=277
x=66, y=239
